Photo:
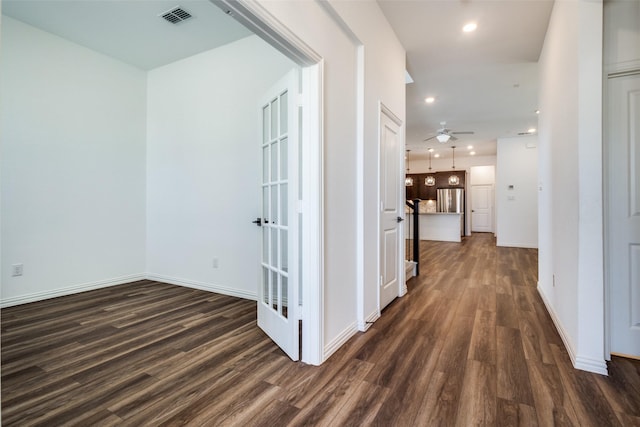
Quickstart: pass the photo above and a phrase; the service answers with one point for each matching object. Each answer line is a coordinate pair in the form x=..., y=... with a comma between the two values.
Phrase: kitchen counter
x=441, y=226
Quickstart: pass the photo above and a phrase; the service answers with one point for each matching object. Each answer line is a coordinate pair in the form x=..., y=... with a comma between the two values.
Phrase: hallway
x=471, y=344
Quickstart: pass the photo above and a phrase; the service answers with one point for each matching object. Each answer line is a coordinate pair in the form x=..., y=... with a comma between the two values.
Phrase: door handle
x=258, y=222
x=399, y=219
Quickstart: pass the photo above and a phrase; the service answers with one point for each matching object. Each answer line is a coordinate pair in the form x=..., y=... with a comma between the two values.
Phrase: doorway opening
x=305, y=235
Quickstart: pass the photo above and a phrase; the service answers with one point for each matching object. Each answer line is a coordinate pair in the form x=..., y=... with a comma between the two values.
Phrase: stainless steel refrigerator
x=450, y=200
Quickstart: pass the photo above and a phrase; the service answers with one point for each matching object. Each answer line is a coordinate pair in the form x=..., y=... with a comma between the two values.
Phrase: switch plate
x=16, y=270
x=214, y=263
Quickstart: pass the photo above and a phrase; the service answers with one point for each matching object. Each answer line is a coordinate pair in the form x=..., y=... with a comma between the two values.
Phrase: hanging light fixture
x=430, y=180
x=453, y=156
x=454, y=179
x=408, y=180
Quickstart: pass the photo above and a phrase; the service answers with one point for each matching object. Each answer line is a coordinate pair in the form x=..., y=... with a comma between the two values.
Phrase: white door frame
x=402, y=284
x=255, y=17
x=613, y=72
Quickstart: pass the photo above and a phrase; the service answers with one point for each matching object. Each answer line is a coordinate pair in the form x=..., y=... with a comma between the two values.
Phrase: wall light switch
x=214, y=263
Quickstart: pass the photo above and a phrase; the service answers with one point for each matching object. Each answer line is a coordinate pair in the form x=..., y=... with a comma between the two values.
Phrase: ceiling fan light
x=443, y=137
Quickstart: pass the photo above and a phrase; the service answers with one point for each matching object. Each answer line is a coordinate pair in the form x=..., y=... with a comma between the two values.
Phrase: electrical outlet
x=214, y=263
x=16, y=270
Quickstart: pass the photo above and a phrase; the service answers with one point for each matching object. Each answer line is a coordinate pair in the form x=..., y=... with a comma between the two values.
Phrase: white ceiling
x=486, y=81
x=131, y=30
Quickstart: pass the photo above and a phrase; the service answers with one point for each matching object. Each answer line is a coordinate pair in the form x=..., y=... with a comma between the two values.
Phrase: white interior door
x=392, y=212
x=482, y=208
x=624, y=214
x=278, y=292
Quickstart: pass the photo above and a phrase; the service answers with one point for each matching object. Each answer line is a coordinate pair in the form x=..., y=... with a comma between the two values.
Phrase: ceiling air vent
x=175, y=15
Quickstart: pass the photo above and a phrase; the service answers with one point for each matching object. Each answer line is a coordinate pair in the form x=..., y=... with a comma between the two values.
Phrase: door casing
x=255, y=17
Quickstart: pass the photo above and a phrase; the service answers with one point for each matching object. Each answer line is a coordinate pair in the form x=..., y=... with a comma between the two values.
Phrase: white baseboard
x=403, y=289
x=591, y=365
x=203, y=286
x=578, y=362
x=338, y=341
x=375, y=315
x=83, y=287
x=515, y=245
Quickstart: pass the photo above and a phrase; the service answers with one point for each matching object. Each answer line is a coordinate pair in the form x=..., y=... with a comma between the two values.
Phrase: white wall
x=384, y=70
x=73, y=174
x=570, y=179
x=482, y=175
x=517, y=206
x=204, y=163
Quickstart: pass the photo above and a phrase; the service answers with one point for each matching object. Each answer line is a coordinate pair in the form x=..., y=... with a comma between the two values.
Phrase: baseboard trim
x=563, y=334
x=83, y=287
x=591, y=365
x=515, y=245
x=368, y=321
x=203, y=286
x=578, y=362
x=339, y=341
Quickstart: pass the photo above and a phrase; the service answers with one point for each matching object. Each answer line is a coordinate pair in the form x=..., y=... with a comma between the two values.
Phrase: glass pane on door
x=275, y=204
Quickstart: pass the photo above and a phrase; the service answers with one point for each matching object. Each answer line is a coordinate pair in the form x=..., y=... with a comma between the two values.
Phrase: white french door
x=278, y=291
x=623, y=214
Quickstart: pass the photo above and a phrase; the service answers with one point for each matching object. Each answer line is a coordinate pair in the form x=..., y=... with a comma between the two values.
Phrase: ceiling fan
x=445, y=135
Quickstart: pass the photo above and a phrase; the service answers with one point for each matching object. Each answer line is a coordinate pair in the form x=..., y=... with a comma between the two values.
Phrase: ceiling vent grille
x=175, y=15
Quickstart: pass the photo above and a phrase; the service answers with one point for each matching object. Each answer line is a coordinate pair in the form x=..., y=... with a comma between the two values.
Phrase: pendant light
x=430, y=180
x=454, y=179
x=408, y=180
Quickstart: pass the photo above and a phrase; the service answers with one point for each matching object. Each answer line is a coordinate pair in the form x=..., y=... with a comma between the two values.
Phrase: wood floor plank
x=483, y=338
x=470, y=344
x=478, y=402
x=513, y=375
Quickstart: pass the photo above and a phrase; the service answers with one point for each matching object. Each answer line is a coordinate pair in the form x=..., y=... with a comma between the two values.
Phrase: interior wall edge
x=578, y=361
x=344, y=336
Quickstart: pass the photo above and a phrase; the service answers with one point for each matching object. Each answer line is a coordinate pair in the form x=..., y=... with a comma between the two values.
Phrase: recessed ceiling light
x=469, y=147
x=473, y=153
x=436, y=155
x=429, y=100
x=470, y=27
x=537, y=111
x=532, y=130
x=431, y=150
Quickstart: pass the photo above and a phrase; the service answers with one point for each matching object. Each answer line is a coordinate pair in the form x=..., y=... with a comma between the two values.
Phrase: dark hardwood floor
x=471, y=344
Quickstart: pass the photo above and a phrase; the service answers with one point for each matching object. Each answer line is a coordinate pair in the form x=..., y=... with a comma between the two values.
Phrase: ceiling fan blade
x=464, y=132
x=453, y=138
x=430, y=138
